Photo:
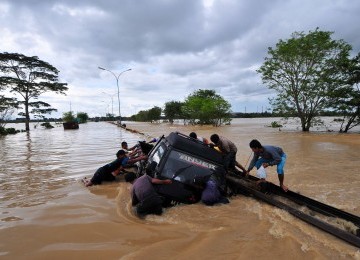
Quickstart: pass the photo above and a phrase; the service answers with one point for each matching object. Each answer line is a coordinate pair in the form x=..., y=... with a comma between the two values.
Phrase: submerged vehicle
x=188, y=162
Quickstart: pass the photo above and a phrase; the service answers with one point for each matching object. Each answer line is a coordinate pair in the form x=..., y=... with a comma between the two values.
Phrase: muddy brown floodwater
x=47, y=213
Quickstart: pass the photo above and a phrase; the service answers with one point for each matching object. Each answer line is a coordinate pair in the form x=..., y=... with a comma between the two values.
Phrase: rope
x=248, y=159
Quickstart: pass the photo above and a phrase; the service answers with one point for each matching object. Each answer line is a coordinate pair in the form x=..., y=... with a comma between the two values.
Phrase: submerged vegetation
x=47, y=125
x=275, y=124
x=8, y=131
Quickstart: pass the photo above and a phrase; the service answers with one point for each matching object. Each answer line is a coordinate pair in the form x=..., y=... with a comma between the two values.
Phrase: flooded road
x=47, y=213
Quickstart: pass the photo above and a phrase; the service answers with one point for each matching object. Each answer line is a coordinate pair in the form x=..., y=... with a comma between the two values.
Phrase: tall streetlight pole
x=117, y=84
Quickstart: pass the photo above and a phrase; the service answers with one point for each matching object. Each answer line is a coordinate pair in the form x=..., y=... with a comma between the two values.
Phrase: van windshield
x=184, y=168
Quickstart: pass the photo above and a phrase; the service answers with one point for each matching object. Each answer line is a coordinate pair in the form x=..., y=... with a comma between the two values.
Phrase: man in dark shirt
x=213, y=193
x=109, y=171
x=268, y=155
x=144, y=195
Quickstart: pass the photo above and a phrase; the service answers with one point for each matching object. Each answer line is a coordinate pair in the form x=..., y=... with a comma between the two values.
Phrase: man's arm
x=136, y=159
x=252, y=163
x=117, y=171
x=240, y=166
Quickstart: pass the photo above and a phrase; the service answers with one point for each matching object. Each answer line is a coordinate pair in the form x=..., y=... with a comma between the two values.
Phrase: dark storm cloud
x=182, y=45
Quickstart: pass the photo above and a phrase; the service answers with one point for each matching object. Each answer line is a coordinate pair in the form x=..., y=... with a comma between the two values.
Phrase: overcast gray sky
x=173, y=47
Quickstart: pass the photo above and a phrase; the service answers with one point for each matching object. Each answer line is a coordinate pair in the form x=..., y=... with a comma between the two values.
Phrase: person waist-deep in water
x=109, y=171
x=144, y=196
x=212, y=192
x=268, y=155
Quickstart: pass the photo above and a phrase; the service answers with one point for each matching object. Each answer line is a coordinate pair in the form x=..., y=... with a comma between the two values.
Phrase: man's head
x=193, y=135
x=255, y=145
x=120, y=154
x=130, y=177
x=124, y=145
x=214, y=138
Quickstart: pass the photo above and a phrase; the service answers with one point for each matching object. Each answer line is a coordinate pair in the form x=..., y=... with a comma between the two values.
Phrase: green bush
x=47, y=125
x=275, y=124
x=11, y=131
x=2, y=130
x=8, y=131
x=68, y=117
x=82, y=117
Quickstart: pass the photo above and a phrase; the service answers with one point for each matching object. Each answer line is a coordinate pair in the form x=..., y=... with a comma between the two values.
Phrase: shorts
x=102, y=175
x=279, y=167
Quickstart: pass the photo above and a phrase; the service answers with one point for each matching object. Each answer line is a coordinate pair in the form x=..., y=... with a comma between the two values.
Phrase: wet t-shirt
x=114, y=165
x=143, y=188
x=211, y=193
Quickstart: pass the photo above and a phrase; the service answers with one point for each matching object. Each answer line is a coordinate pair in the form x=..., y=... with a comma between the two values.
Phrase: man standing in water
x=268, y=155
x=109, y=171
x=144, y=195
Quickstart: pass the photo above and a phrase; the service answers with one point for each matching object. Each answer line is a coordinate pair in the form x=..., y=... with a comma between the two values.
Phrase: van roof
x=193, y=146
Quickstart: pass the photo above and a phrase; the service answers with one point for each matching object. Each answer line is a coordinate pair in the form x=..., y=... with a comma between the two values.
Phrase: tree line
x=203, y=106
x=310, y=73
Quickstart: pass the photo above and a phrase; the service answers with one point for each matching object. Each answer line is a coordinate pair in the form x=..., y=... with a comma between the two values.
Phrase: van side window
x=158, y=154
